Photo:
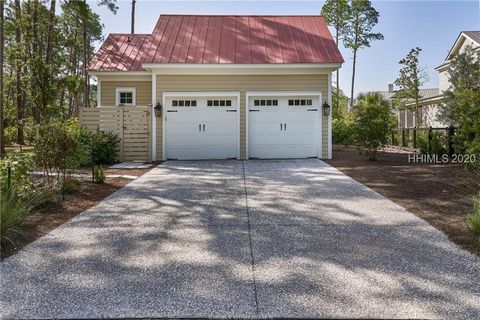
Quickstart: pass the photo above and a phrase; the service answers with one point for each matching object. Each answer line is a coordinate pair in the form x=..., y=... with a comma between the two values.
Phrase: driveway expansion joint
x=250, y=239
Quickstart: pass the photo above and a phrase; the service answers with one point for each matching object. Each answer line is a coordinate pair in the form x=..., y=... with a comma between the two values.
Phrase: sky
x=431, y=25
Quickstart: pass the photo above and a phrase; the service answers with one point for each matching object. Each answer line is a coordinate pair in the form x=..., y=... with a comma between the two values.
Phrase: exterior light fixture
x=158, y=110
x=326, y=109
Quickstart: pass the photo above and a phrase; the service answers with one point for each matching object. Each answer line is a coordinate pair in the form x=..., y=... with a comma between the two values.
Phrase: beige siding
x=143, y=91
x=243, y=83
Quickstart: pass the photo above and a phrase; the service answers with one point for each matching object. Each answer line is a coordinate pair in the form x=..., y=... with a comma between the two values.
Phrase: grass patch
x=14, y=209
x=473, y=219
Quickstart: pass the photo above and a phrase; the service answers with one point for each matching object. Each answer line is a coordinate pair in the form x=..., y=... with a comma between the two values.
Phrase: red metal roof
x=221, y=40
x=120, y=52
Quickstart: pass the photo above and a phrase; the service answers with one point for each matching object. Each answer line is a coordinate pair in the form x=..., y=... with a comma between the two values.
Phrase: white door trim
x=249, y=94
x=329, y=101
x=235, y=94
x=154, y=118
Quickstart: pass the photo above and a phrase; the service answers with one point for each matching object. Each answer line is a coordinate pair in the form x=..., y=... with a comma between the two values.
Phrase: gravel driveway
x=252, y=239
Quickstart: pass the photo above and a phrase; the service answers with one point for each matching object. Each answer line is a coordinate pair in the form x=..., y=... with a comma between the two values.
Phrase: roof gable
x=474, y=36
x=221, y=39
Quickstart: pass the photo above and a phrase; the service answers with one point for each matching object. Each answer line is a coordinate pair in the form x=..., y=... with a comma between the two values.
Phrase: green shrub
x=102, y=146
x=44, y=197
x=71, y=185
x=18, y=177
x=373, y=123
x=473, y=148
x=343, y=131
x=14, y=209
x=473, y=219
x=99, y=174
x=58, y=147
x=10, y=135
x=438, y=144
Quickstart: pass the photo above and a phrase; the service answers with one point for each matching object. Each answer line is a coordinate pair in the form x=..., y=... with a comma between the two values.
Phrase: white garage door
x=284, y=126
x=201, y=127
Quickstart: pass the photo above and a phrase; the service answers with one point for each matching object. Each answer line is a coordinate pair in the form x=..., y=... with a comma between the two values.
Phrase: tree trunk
x=35, y=55
x=51, y=22
x=2, y=44
x=86, y=87
x=353, y=78
x=18, y=67
x=133, y=16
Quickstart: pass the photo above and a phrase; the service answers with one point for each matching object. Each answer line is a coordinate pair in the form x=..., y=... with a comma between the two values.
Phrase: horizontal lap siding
x=143, y=91
x=242, y=84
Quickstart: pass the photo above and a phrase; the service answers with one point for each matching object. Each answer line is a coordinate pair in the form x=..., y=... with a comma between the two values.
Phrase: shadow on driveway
x=251, y=239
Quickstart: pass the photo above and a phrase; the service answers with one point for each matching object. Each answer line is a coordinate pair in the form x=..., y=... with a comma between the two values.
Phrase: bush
x=373, y=123
x=14, y=208
x=44, y=198
x=105, y=147
x=102, y=146
x=473, y=219
x=474, y=149
x=99, y=174
x=343, y=131
x=20, y=165
x=10, y=135
x=58, y=147
x=71, y=185
x=438, y=144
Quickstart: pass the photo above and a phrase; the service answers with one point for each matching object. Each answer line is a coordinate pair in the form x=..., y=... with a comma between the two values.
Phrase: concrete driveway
x=251, y=239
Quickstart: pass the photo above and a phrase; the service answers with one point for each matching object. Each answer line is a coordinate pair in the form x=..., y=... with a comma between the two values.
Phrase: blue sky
x=431, y=25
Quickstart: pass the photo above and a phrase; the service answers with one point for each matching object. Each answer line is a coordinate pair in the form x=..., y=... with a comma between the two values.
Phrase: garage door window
x=300, y=102
x=184, y=103
x=219, y=103
x=265, y=102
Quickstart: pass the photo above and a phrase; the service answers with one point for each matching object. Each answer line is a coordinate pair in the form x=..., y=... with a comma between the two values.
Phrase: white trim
x=200, y=94
x=154, y=118
x=240, y=65
x=406, y=118
x=458, y=44
x=99, y=93
x=164, y=126
x=235, y=94
x=283, y=93
x=240, y=69
x=119, y=73
x=329, y=100
x=249, y=94
x=133, y=90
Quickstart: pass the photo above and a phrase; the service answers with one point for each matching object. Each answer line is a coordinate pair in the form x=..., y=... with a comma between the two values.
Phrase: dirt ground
x=41, y=222
x=441, y=194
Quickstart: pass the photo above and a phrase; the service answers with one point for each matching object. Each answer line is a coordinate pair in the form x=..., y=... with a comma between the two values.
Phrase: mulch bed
x=41, y=222
x=441, y=194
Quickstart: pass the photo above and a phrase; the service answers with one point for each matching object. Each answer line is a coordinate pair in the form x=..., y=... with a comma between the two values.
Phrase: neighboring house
x=405, y=118
x=429, y=105
x=229, y=86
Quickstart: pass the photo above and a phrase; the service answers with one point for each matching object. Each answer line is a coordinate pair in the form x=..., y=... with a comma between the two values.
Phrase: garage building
x=225, y=87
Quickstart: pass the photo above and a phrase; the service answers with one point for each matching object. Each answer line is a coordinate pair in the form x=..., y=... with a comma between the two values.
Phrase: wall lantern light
x=326, y=109
x=158, y=110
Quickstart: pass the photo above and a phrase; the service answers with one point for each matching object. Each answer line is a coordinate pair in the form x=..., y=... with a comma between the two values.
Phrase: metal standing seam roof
x=221, y=39
x=120, y=52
